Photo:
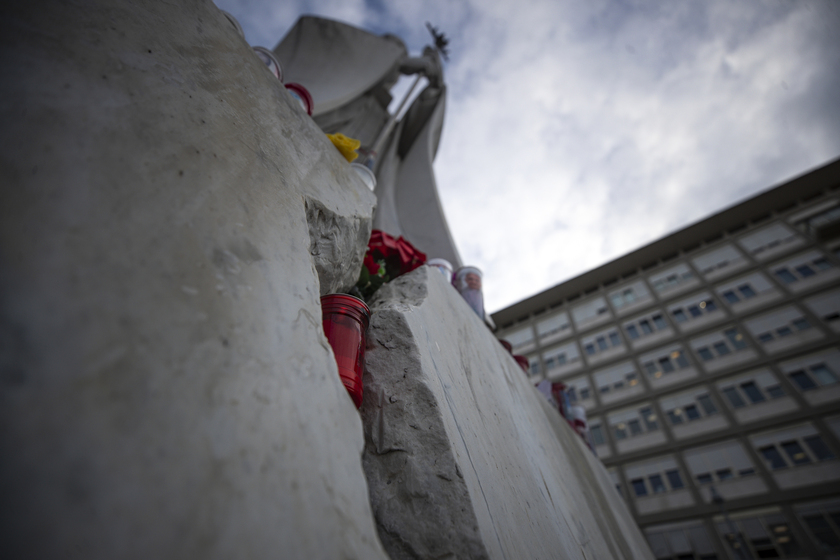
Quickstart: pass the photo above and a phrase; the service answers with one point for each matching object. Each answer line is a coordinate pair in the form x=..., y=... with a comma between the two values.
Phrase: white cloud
x=577, y=131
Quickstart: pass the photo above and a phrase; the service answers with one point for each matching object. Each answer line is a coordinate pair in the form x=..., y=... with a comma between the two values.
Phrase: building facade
x=709, y=366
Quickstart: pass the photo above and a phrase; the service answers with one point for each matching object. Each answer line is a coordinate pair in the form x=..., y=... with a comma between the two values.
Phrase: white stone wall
x=464, y=459
x=166, y=390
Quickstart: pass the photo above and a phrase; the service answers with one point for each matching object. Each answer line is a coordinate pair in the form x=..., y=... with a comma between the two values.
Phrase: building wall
x=709, y=365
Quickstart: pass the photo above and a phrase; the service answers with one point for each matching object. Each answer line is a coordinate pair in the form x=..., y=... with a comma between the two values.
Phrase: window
x=719, y=261
x=784, y=331
x=704, y=478
x=672, y=278
x=696, y=307
x=553, y=325
x=656, y=475
x=795, y=452
x=764, y=534
x=705, y=354
x=751, y=389
x=792, y=446
x=815, y=223
x=601, y=342
x=717, y=462
x=632, y=332
x=688, y=406
x=649, y=418
x=805, y=271
x=590, y=312
x=730, y=296
x=735, y=338
x=674, y=479
x=721, y=348
x=692, y=413
x=804, y=266
x=785, y=276
x=646, y=329
x=707, y=404
x=639, y=487
x=773, y=458
x=746, y=291
x=627, y=296
x=632, y=422
x=765, y=337
x=818, y=448
x=821, y=529
x=769, y=241
x=823, y=375
x=659, y=322
x=734, y=398
x=775, y=391
x=801, y=324
x=724, y=474
x=656, y=484
x=801, y=379
x=752, y=392
x=672, y=361
x=817, y=375
x=597, y=435
x=822, y=264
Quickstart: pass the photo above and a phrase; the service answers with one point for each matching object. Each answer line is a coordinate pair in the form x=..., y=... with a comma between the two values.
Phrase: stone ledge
x=463, y=457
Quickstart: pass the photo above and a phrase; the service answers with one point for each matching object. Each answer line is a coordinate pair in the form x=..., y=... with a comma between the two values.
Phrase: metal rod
x=392, y=120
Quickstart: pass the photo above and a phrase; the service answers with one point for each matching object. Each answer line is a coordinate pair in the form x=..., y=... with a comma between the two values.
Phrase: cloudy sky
x=579, y=130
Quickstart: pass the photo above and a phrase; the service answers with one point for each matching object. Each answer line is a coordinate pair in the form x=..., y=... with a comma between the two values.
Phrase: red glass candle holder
x=508, y=346
x=303, y=96
x=345, y=320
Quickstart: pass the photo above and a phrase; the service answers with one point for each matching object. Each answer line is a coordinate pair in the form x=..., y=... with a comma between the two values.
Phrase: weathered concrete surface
x=165, y=389
x=463, y=458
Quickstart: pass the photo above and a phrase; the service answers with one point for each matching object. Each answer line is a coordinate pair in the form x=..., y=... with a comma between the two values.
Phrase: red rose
x=371, y=265
x=410, y=258
x=399, y=254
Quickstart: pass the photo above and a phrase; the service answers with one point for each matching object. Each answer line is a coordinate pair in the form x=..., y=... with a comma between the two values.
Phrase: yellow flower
x=347, y=146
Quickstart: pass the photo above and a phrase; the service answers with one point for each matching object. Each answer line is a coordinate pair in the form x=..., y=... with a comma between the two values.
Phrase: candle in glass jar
x=345, y=320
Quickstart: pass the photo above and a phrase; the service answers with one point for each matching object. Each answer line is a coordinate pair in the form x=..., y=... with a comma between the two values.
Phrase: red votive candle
x=345, y=320
x=523, y=363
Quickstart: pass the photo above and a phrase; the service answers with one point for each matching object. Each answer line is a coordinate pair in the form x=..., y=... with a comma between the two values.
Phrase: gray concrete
x=463, y=457
x=165, y=387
